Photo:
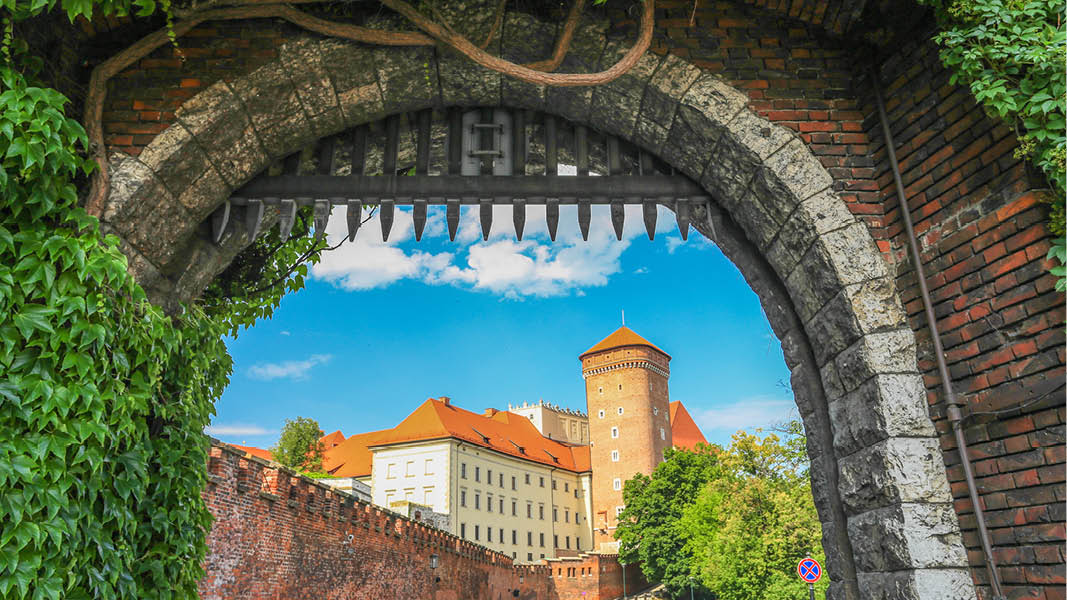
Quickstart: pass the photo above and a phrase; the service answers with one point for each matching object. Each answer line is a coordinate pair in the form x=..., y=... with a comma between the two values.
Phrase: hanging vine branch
x=432, y=30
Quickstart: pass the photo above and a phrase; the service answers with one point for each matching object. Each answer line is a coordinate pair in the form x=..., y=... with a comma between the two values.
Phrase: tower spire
x=624, y=317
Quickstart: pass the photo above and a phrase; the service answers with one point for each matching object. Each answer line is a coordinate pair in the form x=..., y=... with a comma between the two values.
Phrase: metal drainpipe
x=953, y=410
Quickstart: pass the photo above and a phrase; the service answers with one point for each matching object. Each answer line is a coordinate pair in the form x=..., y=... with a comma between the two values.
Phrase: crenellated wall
x=279, y=535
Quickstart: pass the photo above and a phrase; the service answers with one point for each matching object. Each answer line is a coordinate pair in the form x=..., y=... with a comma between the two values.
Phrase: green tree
x=650, y=527
x=300, y=446
x=750, y=525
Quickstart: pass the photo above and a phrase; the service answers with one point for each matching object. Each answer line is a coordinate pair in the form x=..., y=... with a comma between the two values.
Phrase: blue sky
x=381, y=327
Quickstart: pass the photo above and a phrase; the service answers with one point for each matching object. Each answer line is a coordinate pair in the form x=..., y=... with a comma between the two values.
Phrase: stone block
x=650, y=136
x=917, y=584
x=205, y=194
x=355, y=80
x=303, y=59
x=814, y=217
x=175, y=158
x=525, y=40
x=576, y=103
x=876, y=305
x=790, y=175
x=832, y=329
x=881, y=352
x=617, y=104
x=812, y=283
x=217, y=120
x=408, y=78
x=907, y=536
x=144, y=213
x=831, y=381
x=274, y=108
x=666, y=87
x=893, y=471
x=885, y=406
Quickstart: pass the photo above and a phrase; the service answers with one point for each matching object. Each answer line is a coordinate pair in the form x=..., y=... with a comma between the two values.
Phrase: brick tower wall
x=633, y=378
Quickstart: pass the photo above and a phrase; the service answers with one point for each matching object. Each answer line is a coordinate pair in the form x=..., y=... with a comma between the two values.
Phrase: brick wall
x=277, y=535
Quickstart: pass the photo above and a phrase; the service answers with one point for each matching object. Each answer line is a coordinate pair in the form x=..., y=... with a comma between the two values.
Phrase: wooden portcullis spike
x=418, y=217
x=650, y=212
x=681, y=211
x=452, y=217
x=219, y=220
x=552, y=216
x=355, y=218
x=618, y=215
x=254, y=218
x=518, y=216
x=322, y=218
x=286, y=217
x=486, y=214
x=385, y=215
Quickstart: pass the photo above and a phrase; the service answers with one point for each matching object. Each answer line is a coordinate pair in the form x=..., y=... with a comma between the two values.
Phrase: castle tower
x=629, y=420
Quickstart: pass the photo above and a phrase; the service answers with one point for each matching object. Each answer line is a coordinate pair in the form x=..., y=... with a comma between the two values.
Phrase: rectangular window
x=555, y=514
x=568, y=538
x=616, y=484
x=514, y=537
x=662, y=434
x=575, y=492
x=463, y=470
x=488, y=533
x=489, y=476
x=600, y=413
x=542, y=536
x=614, y=456
x=620, y=410
x=501, y=480
x=542, y=482
x=567, y=516
x=512, y=483
x=529, y=538
x=514, y=508
x=477, y=473
x=578, y=542
x=501, y=506
x=566, y=487
x=529, y=510
x=427, y=494
x=489, y=503
x=527, y=479
x=409, y=469
x=427, y=467
x=529, y=556
x=541, y=511
x=555, y=541
x=553, y=484
x=614, y=432
x=501, y=535
x=477, y=502
x=463, y=497
x=390, y=471
x=463, y=530
x=477, y=529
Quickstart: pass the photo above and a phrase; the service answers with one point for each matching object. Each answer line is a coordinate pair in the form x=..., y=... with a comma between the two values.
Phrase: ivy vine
x=1011, y=53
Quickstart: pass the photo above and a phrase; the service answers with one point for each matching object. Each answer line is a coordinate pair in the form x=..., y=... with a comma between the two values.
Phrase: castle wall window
x=488, y=503
x=566, y=516
x=514, y=537
x=566, y=487
x=541, y=511
x=501, y=480
x=555, y=541
x=655, y=409
x=477, y=529
x=409, y=469
x=620, y=410
x=527, y=479
x=488, y=533
x=489, y=476
x=478, y=473
x=578, y=542
x=616, y=484
x=614, y=432
x=529, y=510
x=614, y=456
x=568, y=538
x=662, y=434
x=427, y=468
x=501, y=506
x=529, y=556
x=555, y=514
x=514, y=508
x=542, y=482
x=542, y=536
x=512, y=483
x=477, y=502
x=600, y=413
x=500, y=535
x=390, y=471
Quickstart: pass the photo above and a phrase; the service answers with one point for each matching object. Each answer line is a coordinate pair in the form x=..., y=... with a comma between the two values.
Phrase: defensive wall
x=279, y=535
x=807, y=65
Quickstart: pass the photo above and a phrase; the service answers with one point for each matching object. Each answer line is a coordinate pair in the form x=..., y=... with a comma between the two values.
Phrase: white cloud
x=748, y=413
x=290, y=369
x=230, y=430
x=500, y=265
x=286, y=333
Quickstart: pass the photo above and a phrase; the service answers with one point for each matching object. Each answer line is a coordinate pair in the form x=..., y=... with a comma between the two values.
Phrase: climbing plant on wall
x=1011, y=53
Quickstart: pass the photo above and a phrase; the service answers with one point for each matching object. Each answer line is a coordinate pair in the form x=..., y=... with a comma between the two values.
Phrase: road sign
x=809, y=570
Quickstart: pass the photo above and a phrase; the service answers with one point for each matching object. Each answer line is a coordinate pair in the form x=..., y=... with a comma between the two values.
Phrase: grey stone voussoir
x=575, y=103
x=699, y=121
x=355, y=81
x=617, y=104
x=882, y=352
x=822, y=213
x=918, y=584
x=525, y=40
x=891, y=405
x=176, y=159
x=218, y=121
x=408, y=78
x=907, y=536
x=303, y=59
x=274, y=106
x=893, y=471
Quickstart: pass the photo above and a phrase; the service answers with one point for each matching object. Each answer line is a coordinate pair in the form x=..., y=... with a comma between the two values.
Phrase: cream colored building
x=499, y=481
x=561, y=424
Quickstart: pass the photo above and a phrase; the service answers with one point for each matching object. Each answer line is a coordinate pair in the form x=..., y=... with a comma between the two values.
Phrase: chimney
x=445, y=400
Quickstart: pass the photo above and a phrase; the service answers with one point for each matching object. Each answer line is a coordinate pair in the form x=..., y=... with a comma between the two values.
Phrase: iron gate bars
x=488, y=158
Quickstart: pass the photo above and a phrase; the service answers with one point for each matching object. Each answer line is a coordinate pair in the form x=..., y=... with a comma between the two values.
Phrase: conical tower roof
x=623, y=336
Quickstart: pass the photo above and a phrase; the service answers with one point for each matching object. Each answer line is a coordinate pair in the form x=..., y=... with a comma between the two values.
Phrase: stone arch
x=880, y=485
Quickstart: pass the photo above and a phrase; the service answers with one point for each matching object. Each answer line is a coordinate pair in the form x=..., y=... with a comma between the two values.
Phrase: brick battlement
x=279, y=534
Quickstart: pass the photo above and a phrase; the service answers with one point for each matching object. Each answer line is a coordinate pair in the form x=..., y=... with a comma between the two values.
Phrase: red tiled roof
x=684, y=430
x=331, y=440
x=437, y=419
x=623, y=336
x=253, y=451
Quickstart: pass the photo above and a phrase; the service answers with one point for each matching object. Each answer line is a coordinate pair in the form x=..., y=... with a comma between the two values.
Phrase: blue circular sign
x=809, y=570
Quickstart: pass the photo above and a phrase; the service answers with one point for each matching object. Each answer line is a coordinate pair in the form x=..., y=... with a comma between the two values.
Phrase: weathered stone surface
x=666, y=87
x=841, y=257
x=144, y=272
x=617, y=104
x=355, y=81
x=525, y=40
x=834, y=559
x=907, y=536
x=745, y=144
x=650, y=136
x=408, y=78
x=831, y=381
x=575, y=103
x=790, y=175
x=144, y=213
x=882, y=352
x=876, y=305
x=883, y=407
x=175, y=158
x=303, y=59
x=893, y=471
x=812, y=283
x=275, y=109
x=205, y=194
x=812, y=218
x=463, y=82
x=832, y=329
x=217, y=120
x=918, y=584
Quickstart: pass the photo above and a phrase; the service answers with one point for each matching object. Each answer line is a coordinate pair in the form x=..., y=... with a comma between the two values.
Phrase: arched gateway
x=889, y=529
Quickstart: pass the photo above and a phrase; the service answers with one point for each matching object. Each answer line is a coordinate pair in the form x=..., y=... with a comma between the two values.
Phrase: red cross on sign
x=809, y=570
